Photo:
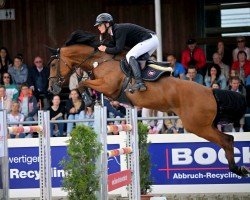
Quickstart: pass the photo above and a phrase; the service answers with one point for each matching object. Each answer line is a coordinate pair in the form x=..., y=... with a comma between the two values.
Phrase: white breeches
x=147, y=46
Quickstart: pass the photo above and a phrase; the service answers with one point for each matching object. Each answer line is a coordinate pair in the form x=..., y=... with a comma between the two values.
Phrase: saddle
x=151, y=72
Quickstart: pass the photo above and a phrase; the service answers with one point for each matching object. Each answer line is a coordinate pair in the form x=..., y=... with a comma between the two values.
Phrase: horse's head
x=55, y=80
x=64, y=61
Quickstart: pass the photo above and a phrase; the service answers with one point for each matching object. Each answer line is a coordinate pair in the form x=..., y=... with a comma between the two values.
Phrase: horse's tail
x=231, y=106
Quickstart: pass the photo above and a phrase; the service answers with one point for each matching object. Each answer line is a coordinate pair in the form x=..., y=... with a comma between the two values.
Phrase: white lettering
x=187, y=176
x=210, y=158
x=246, y=155
x=24, y=159
x=182, y=156
x=34, y=174
x=207, y=156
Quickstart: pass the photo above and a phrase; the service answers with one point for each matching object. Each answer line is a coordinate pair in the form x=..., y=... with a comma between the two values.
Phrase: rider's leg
x=147, y=46
x=139, y=85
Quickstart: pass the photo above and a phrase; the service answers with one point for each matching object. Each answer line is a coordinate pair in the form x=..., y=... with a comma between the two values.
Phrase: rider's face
x=101, y=28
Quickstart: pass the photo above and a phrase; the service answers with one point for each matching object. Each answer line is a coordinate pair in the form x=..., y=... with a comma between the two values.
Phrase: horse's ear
x=52, y=50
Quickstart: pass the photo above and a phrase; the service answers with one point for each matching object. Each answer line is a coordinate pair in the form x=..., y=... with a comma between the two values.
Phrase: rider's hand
x=102, y=48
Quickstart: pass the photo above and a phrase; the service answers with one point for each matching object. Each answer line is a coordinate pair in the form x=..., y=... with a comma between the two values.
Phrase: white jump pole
x=158, y=28
x=100, y=120
x=4, y=161
x=44, y=156
x=134, y=190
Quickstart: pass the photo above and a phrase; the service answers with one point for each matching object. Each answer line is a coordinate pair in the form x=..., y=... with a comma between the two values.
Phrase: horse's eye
x=53, y=65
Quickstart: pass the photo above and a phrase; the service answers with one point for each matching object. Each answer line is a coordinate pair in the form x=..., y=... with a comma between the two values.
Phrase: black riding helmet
x=102, y=18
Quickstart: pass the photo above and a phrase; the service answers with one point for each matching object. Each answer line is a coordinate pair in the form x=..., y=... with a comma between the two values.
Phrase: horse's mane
x=82, y=37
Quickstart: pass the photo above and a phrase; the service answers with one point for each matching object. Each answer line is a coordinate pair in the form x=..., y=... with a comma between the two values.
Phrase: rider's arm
x=119, y=39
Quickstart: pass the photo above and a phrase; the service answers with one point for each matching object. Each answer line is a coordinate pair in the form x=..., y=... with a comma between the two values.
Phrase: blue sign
x=196, y=163
x=172, y=164
x=24, y=166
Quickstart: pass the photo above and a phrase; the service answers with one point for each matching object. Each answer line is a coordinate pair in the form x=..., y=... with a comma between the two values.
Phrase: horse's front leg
x=99, y=85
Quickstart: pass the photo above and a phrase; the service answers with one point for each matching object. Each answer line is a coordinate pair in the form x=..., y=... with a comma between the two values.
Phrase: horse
x=199, y=107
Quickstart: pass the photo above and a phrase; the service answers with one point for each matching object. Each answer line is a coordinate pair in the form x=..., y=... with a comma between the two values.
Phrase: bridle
x=58, y=79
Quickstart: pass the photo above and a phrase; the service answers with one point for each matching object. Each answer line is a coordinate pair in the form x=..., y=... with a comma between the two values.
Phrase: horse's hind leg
x=227, y=143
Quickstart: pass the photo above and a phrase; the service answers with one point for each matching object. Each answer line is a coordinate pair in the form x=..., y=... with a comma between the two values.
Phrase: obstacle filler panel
x=119, y=179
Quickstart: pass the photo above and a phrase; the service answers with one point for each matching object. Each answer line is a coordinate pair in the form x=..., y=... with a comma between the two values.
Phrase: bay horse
x=197, y=106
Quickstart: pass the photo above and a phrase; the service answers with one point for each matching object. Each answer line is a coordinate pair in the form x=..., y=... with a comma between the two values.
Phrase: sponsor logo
x=198, y=163
x=151, y=73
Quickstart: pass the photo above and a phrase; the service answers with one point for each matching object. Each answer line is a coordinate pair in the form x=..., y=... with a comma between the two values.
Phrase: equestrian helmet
x=102, y=18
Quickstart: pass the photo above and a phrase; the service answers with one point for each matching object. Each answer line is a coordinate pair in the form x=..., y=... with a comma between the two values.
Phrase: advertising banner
x=24, y=166
x=196, y=163
x=179, y=163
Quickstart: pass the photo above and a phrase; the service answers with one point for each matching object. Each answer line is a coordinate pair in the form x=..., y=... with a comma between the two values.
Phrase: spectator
x=5, y=101
x=38, y=81
x=193, y=76
x=236, y=85
x=18, y=72
x=224, y=68
x=242, y=66
x=214, y=75
x=112, y=112
x=241, y=46
x=119, y=106
x=80, y=76
x=5, y=60
x=215, y=85
x=154, y=126
x=225, y=54
x=178, y=69
x=57, y=112
x=15, y=116
x=11, y=89
x=89, y=114
x=173, y=125
x=74, y=108
x=28, y=103
x=194, y=54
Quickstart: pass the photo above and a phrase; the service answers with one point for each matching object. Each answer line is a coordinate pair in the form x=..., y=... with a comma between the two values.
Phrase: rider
x=139, y=39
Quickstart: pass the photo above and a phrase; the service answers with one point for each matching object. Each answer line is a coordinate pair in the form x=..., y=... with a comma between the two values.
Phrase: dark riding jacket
x=127, y=35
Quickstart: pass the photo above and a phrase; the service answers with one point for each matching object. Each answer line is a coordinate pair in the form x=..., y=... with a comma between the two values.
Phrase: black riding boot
x=139, y=85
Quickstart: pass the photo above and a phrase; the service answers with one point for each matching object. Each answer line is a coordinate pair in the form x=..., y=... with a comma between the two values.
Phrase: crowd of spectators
x=229, y=70
x=23, y=89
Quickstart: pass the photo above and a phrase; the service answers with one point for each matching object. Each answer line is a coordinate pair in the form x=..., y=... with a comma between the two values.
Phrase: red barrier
x=119, y=179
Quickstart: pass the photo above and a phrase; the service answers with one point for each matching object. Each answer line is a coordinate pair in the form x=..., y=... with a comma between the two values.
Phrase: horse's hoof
x=245, y=171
